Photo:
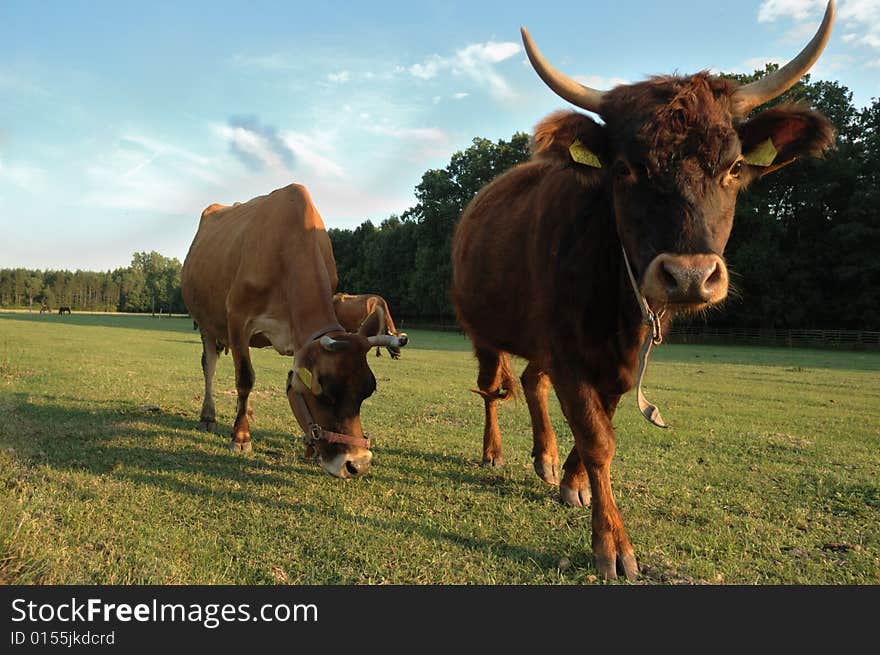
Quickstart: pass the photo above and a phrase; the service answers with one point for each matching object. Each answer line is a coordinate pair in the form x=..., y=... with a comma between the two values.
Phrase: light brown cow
x=352, y=310
x=262, y=273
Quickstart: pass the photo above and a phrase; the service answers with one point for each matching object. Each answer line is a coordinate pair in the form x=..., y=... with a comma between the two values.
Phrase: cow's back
x=252, y=249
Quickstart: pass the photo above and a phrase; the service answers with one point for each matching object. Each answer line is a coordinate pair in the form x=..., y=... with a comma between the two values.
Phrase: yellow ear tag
x=583, y=155
x=305, y=375
x=763, y=155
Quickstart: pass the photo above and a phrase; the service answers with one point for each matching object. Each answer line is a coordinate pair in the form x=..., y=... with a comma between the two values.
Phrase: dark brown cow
x=262, y=274
x=540, y=256
x=353, y=309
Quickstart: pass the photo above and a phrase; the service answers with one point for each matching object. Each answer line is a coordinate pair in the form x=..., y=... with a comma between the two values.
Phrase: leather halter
x=298, y=402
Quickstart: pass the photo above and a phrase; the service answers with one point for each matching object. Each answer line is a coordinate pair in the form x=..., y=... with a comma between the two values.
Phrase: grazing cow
x=602, y=236
x=63, y=310
x=262, y=273
x=353, y=310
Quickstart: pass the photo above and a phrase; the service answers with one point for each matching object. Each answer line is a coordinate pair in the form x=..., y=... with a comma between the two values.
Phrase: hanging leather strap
x=654, y=337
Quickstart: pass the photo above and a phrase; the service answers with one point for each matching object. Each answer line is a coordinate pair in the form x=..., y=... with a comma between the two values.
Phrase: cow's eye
x=622, y=170
x=736, y=168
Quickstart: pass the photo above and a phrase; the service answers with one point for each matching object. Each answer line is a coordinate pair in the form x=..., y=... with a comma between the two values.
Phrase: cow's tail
x=509, y=382
x=509, y=385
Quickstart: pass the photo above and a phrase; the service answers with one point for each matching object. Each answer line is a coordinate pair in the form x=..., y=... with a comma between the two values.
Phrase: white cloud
x=341, y=76
x=598, y=82
x=314, y=154
x=800, y=10
x=274, y=62
x=477, y=62
x=861, y=18
x=143, y=173
x=29, y=178
x=459, y=96
x=426, y=134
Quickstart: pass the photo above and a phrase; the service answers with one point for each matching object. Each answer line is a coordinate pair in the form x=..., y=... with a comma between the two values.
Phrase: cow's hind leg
x=535, y=385
x=494, y=372
x=244, y=382
x=210, y=354
x=574, y=489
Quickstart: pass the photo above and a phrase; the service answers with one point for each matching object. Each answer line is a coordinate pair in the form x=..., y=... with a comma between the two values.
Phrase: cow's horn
x=387, y=340
x=749, y=96
x=565, y=87
x=334, y=345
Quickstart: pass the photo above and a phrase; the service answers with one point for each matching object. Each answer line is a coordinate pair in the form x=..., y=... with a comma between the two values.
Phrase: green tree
x=442, y=195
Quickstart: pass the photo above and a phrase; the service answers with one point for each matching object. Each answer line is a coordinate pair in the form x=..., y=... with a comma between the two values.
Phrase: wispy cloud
x=274, y=62
x=861, y=18
x=426, y=134
x=23, y=176
x=340, y=76
x=315, y=154
x=799, y=10
x=257, y=146
x=136, y=172
x=598, y=82
x=477, y=62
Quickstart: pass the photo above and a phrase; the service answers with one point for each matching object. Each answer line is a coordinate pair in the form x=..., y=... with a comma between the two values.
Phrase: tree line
x=150, y=284
x=803, y=253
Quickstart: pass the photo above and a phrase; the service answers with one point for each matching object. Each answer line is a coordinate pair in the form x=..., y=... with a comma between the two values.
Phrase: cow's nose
x=357, y=465
x=686, y=279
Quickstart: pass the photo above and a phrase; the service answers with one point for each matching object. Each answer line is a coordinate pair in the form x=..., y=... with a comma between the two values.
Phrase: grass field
x=771, y=474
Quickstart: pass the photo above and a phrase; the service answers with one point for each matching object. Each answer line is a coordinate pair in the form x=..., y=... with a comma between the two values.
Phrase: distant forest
x=803, y=253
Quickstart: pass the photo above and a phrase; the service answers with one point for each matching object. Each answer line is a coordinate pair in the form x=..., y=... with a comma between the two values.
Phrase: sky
x=121, y=121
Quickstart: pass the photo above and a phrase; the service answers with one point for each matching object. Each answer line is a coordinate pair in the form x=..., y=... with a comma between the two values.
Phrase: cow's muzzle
x=687, y=281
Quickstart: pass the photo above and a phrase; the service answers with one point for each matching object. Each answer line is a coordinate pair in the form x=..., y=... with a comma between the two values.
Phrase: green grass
x=770, y=475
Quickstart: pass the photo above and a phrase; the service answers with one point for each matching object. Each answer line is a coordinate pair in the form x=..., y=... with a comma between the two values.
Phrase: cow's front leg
x=588, y=415
x=244, y=382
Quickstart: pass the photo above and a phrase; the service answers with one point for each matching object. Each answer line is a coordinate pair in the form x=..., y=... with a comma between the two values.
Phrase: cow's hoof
x=575, y=497
x=207, y=426
x=493, y=461
x=240, y=446
x=547, y=470
x=625, y=563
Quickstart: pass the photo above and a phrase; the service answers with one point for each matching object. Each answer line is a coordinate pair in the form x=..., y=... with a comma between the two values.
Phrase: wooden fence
x=842, y=339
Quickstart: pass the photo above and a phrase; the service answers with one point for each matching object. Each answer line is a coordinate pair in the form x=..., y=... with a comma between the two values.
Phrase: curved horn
x=387, y=340
x=756, y=93
x=562, y=85
x=334, y=345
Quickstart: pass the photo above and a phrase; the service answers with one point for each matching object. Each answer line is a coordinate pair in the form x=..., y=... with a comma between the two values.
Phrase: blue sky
x=121, y=121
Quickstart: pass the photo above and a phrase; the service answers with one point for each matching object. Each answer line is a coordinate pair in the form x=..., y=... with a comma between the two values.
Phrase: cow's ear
x=374, y=324
x=780, y=135
x=302, y=378
x=573, y=137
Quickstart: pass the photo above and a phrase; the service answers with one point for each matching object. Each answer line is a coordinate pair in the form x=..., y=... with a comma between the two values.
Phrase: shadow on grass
x=88, y=440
